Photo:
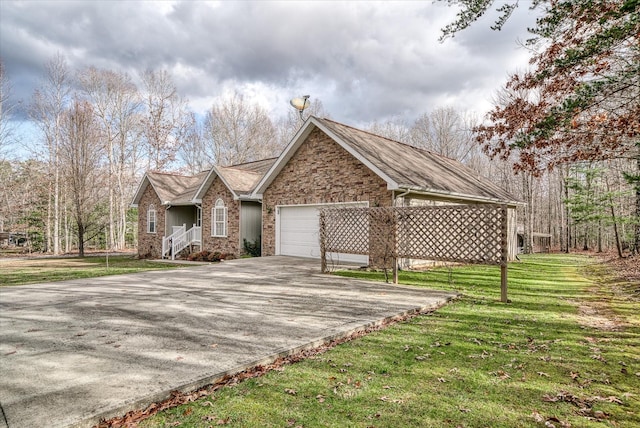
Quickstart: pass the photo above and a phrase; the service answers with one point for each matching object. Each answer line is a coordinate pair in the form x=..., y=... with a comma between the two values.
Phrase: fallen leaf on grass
x=537, y=416
x=464, y=410
x=441, y=380
x=290, y=391
x=187, y=411
x=501, y=374
x=543, y=374
x=387, y=399
x=589, y=413
x=609, y=399
x=320, y=398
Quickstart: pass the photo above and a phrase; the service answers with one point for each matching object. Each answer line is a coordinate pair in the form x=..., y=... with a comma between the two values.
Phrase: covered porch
x=183, y=229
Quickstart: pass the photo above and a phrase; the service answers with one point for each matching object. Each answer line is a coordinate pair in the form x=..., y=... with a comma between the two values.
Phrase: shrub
x=254, y=249
x=208, y=256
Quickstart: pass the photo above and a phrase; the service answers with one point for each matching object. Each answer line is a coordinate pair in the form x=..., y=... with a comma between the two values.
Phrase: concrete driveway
x=74, y=352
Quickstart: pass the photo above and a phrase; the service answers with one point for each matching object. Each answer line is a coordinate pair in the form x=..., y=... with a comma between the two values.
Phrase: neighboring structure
x=325, y=164
x=541, y=241
x=12, y=239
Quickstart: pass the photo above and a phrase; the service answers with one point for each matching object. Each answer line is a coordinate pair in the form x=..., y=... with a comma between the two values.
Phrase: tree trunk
x=80, y=237
x=636, y=243
x=613, y=219
x=56, y=196
x=567, y=217
x=528, y=217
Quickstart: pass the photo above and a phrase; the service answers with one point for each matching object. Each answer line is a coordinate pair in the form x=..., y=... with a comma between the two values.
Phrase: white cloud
x=367, y=61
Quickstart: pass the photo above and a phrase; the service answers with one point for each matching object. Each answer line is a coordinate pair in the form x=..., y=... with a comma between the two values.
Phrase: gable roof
x=240, y=179
x=403, y=167
x=175, y=189
x=172, y=189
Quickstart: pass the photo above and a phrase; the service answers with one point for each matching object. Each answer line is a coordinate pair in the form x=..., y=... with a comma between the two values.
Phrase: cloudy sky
x=366, y=61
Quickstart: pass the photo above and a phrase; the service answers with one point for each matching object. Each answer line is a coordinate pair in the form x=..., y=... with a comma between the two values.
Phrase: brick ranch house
x=277, y=200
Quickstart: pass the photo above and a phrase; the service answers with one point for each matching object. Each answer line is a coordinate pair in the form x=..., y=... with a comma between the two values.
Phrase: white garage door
x=297, y=232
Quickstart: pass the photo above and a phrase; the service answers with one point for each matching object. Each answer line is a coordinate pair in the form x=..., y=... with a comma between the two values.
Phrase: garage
x=297, y=232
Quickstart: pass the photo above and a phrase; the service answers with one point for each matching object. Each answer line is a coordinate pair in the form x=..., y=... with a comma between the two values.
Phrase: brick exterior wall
x=150, y=244
x=319, y=172
x=230, y=244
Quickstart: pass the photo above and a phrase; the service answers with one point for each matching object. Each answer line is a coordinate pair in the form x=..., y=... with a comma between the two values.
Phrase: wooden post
x=395, y=270
x=323, y=258
x=503, y=284
x=504, y=235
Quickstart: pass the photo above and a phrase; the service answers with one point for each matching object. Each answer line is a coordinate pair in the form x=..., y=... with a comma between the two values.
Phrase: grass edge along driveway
x=474, y=363
x=22, y=271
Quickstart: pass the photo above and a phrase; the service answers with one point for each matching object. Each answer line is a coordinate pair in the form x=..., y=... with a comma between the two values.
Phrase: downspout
x=402, y=195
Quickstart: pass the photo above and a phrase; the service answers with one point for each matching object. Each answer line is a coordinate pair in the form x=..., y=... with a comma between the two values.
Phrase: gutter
x=402, y=195
x=451, y=195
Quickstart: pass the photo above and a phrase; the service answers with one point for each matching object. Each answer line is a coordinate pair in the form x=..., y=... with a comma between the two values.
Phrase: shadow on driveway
x=75, y=352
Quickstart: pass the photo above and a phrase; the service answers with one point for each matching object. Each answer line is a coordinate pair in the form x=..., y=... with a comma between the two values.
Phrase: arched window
x=219, y=219
x=151, y=219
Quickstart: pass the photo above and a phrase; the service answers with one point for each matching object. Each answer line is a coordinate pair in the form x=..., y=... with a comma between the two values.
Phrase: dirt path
x=614, y=279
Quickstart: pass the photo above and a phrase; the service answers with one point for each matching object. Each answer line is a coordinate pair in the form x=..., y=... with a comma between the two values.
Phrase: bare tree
x=236, y=131
x=6, y=112
x=193, y=151
x=447, y=132
x=164, y=123
x=395, y=129
x=81, y=153
x=117, y=106
x=47, y=107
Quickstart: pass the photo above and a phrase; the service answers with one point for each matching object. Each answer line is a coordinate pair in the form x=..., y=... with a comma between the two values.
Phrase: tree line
x=98, y=132
x=563, y=137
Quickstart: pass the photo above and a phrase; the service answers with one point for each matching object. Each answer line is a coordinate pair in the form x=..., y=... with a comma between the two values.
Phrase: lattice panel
x=460, y=233
x=346, y=230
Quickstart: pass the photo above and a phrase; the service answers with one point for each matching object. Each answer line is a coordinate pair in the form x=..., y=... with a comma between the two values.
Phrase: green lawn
x=34, y=270
x=474, y=363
